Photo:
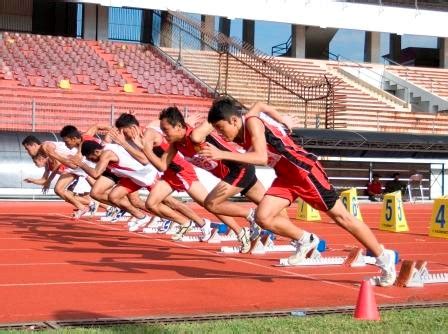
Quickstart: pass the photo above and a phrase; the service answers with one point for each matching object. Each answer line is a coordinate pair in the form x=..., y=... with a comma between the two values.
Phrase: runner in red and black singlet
x=298, y=175
x=236, y=174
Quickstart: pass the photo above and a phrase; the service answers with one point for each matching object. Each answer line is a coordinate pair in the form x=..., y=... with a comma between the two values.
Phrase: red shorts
x=182, y=180
x=313, y=187
x=130, y=185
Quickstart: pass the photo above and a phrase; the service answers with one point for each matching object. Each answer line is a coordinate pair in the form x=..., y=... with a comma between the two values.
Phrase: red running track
x=55, y=268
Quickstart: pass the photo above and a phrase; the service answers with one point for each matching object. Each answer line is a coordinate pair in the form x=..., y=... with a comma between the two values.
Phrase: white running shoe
x=304, y=249
x=255, y=229
x=165, y=227
x=118, y=216
x=93, y=208
x=132, y=221
x=140, y=223
x=181, y=231
x=386, y=261
x=243, y=237
x=206, y=230
x=80, y=212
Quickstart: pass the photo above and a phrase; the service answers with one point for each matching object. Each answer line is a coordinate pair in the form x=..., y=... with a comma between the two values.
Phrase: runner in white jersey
x=132, y=174
x=58, y=152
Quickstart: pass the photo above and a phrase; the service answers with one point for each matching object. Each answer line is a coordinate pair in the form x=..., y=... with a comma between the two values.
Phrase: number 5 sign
x=392, y=214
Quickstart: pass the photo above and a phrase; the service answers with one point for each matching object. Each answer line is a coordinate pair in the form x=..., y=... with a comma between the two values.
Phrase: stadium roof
x=323, y=13
x=372, y=144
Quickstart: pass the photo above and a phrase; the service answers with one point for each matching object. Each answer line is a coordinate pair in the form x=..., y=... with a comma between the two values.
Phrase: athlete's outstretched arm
x=260, y=107
x=100, y=167
x=93, y=130
x=50, y=150
x=200, y=133
x=134, y=148
x=256, y=155
x=163, y=162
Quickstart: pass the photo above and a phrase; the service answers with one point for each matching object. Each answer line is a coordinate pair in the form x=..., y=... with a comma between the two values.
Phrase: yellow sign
x=439, y=226
x=350, y=200
x=306, y=212
x=392, y=214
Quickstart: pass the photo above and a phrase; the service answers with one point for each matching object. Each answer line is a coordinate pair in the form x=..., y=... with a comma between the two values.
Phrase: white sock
x=305, y=237
x=251, y=214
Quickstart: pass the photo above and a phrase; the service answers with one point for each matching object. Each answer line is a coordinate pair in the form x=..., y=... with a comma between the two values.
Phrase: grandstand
x=87, y=62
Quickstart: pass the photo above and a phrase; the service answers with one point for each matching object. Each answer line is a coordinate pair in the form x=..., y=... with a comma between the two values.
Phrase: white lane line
x=284, y=271
x=119, y=261
x=155, y=280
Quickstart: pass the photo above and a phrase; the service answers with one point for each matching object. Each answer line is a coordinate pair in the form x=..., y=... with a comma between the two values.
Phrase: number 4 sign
x=439, y=226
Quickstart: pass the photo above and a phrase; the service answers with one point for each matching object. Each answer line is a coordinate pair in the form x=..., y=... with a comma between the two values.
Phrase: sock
x=306, y=237
x=251, y=216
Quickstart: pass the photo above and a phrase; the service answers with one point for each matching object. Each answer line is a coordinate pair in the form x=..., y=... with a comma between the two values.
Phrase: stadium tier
x=434, y=80
x=34, y=67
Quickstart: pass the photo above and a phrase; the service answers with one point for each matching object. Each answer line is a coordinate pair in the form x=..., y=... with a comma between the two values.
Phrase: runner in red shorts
x=179, y=176
x=299, y=174
x=235, y=177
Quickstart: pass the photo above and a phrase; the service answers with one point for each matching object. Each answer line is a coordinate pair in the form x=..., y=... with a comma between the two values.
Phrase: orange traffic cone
x=366, y=308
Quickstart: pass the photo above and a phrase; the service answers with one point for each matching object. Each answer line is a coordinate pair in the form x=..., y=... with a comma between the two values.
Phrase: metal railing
x=367, y=75
x=408, y=70
x=282, y=48
x=237, y=69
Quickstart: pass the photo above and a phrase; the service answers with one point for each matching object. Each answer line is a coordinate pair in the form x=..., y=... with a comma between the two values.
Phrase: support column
x=102, y=26
x=208, y=22
x=89, y=24
x=249, y=32
x=298, y=40
x=442, y=45
x=146, y=31
x=394, y=47
x=372, y=45
x=224, y=26
x=166, y=30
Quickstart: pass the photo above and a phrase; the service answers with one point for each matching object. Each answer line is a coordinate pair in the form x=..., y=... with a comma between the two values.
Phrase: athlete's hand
x=136, y=137
x=211, y=152
x=45, y=187
x=117, y=136
x=28, y=180
x=288, y=122
x=193, y=119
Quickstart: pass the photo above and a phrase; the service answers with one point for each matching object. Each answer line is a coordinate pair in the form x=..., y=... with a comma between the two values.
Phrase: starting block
x=215, y=237
x=414, y=274
x=121, y=219
x=356, y=258
x=265, y=245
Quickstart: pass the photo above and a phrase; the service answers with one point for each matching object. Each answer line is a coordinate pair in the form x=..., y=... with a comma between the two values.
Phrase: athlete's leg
x=60, y=189
x=118, y=197
x=198, y=192
x=101, y=188
x=154, y=203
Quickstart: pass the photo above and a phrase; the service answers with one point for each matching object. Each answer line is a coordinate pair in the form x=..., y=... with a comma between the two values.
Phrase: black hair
x=376, y=175
x=28, y=140
x=395, y=174
x=39, y=154
x=89, y=146
x=126, y=120
x=222, y=109
x=70, y=131
x=173, y=116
